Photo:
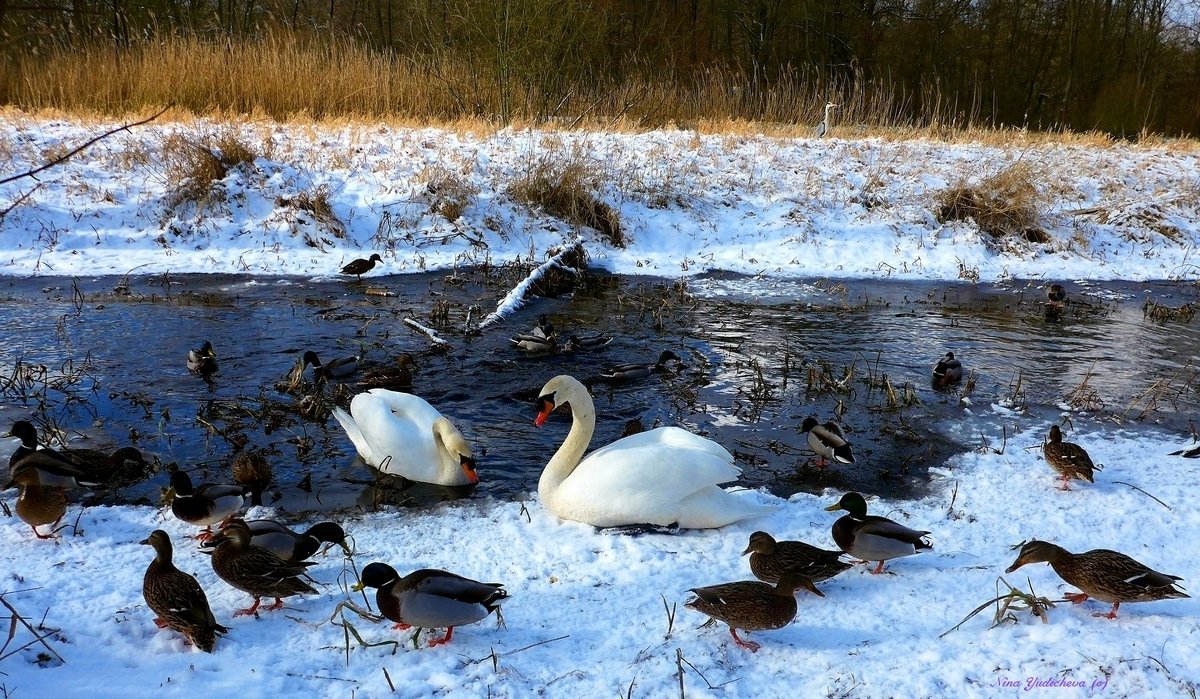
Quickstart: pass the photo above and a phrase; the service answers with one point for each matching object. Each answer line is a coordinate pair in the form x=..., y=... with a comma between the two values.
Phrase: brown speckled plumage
x=750, y=605
x=1070, y=460
x=256, y=570
x=1109, y=576
x=37, y=504
x=771, y=559
x=177, y=598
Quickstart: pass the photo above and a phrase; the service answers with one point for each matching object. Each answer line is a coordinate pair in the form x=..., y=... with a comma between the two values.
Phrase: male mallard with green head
x=256, y=570
x=621, y=373
x=204, y=505
x=430, y=598
x=1070, y=460
x=873, y=538
x=1109, y=576
x=827, y=442
x=289, y=545
x=771, y=559
x=202, y=360
x=177, y=598
x=751, y=605
x=948, y=370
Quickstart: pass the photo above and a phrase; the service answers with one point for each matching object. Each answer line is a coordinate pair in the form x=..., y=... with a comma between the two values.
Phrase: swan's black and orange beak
x=545, y=406
x=468, y=467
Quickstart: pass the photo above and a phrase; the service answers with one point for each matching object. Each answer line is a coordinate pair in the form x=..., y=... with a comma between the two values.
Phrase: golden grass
x=564, y=185
x=295, y=77
x=193, y=166
x=1005, y=203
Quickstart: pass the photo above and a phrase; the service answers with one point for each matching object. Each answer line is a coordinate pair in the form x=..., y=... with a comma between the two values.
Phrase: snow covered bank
x=308, y=199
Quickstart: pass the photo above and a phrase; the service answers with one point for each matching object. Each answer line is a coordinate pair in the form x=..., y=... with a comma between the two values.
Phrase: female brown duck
x=1109, y=576
x=177, y=598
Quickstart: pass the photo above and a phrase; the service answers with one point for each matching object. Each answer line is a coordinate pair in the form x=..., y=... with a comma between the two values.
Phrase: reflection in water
x=758, y=357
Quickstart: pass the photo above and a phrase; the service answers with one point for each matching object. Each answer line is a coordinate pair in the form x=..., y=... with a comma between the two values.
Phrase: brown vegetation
x=1005, y=203
x=1124, y=67
x=565, y=187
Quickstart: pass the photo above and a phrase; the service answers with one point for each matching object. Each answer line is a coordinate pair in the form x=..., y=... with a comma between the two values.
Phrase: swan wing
x=664, y=476
x=350, y=425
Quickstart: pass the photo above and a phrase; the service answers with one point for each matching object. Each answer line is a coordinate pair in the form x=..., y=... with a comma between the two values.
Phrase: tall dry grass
x=290, y=76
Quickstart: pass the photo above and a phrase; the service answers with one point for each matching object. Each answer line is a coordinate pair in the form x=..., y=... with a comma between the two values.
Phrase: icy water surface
x=758, y=356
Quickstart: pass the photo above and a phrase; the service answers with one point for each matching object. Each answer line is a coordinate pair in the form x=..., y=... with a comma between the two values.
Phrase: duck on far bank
x=360, y=266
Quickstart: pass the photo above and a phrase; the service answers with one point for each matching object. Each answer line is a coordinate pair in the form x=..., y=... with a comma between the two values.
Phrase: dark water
x=758, y=357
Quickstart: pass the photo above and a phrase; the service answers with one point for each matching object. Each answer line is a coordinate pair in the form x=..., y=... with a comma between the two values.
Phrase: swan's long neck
x=564, y=461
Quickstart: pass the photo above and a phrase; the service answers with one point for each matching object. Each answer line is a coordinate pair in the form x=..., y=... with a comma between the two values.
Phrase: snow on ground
x=595, y=602
x=687, y=202
x=587, y=615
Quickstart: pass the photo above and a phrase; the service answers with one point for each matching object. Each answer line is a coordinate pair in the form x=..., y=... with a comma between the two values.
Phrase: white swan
x=664, y=476
x=401, y=434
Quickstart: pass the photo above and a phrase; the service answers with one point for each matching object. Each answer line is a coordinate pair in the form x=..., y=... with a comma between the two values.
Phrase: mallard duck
x=1107, y=575
x=632, y=427
x=177, y=598
x=1192, y=453
x=665, y=476
x=256, y=570
x=771, y=559
x=1070, y=460
x=251, y=469
x=37, y=504
x=360, y=266
x=289, y=545
x=620, y=373
x=873, y=538
x=750, y=605
x=1056, y=294
x=124, y=465
x=54, y=471
x=202, y=360
x=430, y=598
x=204, y=505
x=402, y=435
x=948, y=370
x=536, y=344
x=338, y=368
x=576, y=343
x=28, y=434
x=827, y=441
x=397, y=378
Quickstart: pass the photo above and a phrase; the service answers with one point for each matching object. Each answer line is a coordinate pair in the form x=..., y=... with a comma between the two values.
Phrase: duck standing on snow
x=402, y=435
x=750, y=605
x=1109, y=576
x=1070, y=460
x=873, y=538
x=827, y=442
x=177, y=598
x=665, y=476
x=256, y=570
x=948, y=370
x=431, y=599
x=202, y=360
x=770, y=560
x=360, y=266
x=291, y=546
x=206, y=504
x=37, y=504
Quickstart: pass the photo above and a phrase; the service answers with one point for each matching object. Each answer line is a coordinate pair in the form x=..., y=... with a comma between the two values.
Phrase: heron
x=823, y=127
